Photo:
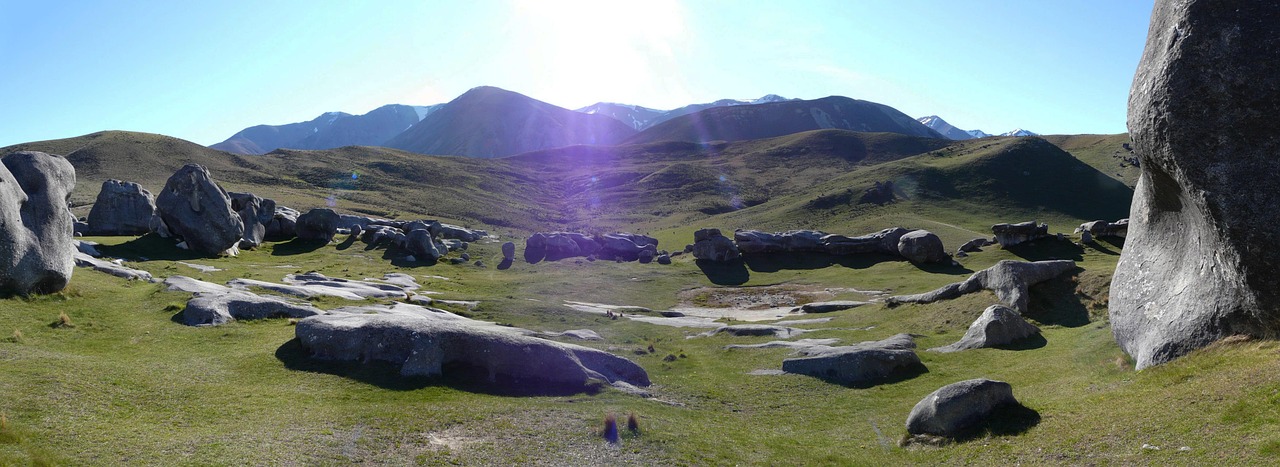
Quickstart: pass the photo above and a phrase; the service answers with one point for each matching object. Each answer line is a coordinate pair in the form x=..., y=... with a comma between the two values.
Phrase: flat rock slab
x=315, y=284
x=860, y=365
x=580, y=334
x=112, y=268
x=187, y=284
x=799, y=344
x=954, y=409
x=1008, y=279
x=827, y=307
x=741, y=330
x=213, y=309
x=424, y=342
x=797, y=322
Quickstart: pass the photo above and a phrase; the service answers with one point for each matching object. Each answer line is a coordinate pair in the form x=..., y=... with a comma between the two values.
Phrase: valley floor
x=126, y=384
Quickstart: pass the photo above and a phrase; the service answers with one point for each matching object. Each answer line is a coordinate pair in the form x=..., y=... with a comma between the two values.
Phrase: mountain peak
x=941, y=126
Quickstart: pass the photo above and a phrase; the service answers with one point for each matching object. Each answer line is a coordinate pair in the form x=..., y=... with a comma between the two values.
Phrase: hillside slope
x=329, y=130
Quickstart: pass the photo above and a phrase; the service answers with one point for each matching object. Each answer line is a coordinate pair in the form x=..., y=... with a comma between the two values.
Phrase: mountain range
x=492, y=122
x=946, y=129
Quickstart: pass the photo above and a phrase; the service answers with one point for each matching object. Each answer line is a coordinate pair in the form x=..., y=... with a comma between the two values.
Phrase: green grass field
x=127, y=384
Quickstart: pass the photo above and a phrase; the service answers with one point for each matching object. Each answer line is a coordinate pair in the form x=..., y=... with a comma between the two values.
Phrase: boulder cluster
x=1008, y=235
x=917, y=246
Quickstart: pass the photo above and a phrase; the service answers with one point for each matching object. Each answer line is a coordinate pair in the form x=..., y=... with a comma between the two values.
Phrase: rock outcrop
x=508, y=251
x=621, y=246
x=922, y=247
x=1200, y=257
x=36, y=233
x=122, y=208
x=84, y=260
x=1008, y=235
x=814, y=241
x=427, y=342
x=1008, y=279
x=1099, y=229
x=956, y=408
x=283, y=224
x=999, y=325
x=194, y=208
x=711, y=245
x=214, y=309
x=862, y=364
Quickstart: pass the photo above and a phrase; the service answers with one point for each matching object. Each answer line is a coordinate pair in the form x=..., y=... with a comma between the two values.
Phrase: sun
x=588, y=50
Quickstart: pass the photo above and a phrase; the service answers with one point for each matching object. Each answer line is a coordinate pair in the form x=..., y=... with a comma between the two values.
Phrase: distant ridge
x=746, y=122
x=493, y=122
x=329, y=130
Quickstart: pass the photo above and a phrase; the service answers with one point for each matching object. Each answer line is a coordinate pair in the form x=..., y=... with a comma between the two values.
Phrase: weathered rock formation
x=36, y=236
x=1008, y=235
x=814, y=241
x=255, y=212
x=1200, y=257
x=622, y=246
x=999, y=325
x=85, y=260
x=508, y=251
x=194, y=208
x=956, y=408
x=214, y=309
x=860, y=364
x=827, y=307
x=1008, y=279
x=711, y=245
x=427, y=342
x=122, y=208
x=283, y=224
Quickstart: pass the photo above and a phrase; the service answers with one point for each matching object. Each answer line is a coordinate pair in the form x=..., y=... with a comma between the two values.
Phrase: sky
x=203, y=70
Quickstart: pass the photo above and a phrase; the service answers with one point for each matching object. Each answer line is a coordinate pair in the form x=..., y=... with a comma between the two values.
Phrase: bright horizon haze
x=205, y=70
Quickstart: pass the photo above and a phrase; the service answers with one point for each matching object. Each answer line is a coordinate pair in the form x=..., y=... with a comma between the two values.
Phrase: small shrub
x=633, y=423
x=63, y=321
x=610, y=431
x=17, y=337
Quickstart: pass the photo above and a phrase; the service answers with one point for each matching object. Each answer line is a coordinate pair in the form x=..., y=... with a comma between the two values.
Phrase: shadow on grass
x=1028, y=343
x=1047, y=249
x=1103, y=249
x=387, y=376
x=351, y=240
x=297, y=246
x=774, y=262
x=725, y=273
x=950, y=268
x=1055, y=301
x=900, y=375
x=504, y=265
x=150, y=246
x=1006, y=420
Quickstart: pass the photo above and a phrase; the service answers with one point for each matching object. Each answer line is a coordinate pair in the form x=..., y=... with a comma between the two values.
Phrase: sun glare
x=585, y=50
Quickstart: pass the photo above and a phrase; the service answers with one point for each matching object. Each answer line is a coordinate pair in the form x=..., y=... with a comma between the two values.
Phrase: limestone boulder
x=1008, y=235
x=882, y=242
x=422, y=246
x=627, y=246
x=999, y=325
x=197, y=210
x=922, y=247
x=213, y=309
x=37, y=240
x=1200, y=254
x=956, y=408
x=862, y=364
x=319, y=224
x=428, y=342
x=711, y=245
x=122, y=208
x=255, y=212
x=1009, y=280
x=508, y=251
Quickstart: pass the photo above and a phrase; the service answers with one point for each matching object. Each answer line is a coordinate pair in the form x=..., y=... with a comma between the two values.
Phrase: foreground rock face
x=998, y=325
x=955, y=408
x=122, y=208
x=196, y=209
x=36, y=242
x=426, y=341
x=860, y=364
x=1200, y=257
x=1008, y=279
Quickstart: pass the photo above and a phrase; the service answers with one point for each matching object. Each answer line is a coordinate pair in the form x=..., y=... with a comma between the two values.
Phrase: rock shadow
x=386, y=375
x=1047, y=249
x=774, y=262
x=150, y=246
x=1028, y=343
x=1055, y=301
x=725, y=273
x=297, y=246
x=1101, y=248
x=951, y=268
x=1006, y=420
x=505, y=264
x=351, y=240
x=902, y=374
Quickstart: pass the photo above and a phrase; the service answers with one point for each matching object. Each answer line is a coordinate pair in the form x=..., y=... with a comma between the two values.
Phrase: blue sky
x=202, y=70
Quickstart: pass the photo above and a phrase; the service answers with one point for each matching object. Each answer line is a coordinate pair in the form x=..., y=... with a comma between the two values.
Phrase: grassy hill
x=1107, y=153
